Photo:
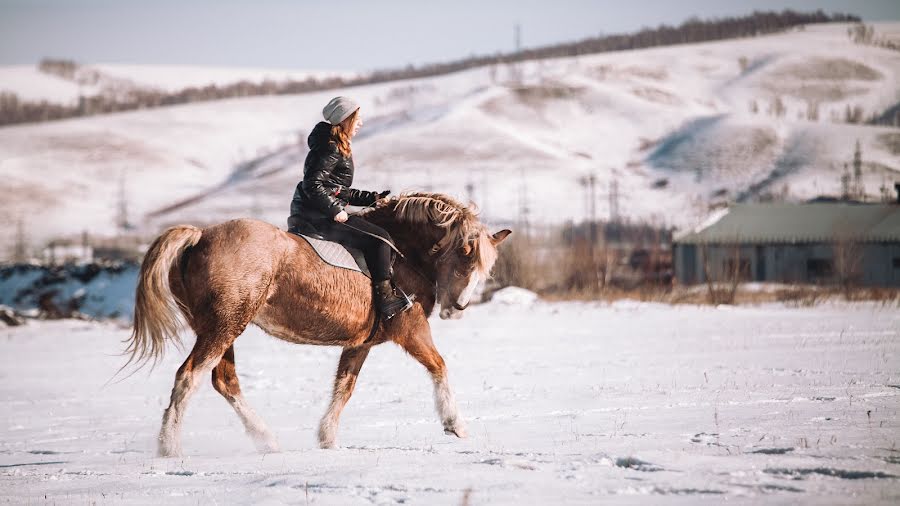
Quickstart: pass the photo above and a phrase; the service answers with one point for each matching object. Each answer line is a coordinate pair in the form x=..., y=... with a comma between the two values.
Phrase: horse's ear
x=500, y=236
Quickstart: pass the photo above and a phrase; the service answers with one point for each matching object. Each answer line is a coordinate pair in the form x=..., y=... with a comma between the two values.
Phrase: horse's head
x=460, y=250
x=461, y=267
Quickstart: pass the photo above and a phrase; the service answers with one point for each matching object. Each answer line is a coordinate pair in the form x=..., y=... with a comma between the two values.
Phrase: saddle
x=331, y=252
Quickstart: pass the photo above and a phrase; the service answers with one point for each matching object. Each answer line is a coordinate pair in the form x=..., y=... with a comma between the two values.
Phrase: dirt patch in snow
x=603, y=72
x=815, y=91
x=91, y=147
x=656, y=95
x=833, y=69
x=539, y=95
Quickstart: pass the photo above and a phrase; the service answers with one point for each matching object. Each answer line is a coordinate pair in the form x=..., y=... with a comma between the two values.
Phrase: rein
x=435, y=249
x=438, y=246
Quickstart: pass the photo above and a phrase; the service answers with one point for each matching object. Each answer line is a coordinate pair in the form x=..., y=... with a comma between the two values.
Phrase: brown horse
x=222, y=278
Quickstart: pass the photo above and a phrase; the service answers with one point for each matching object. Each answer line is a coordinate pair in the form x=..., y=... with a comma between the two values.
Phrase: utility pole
x=524, y=209
x=858, y=190
x=470, y=191
x=86, y=246
x=122, y=207
x=516, y=64
x=518, y=37
x=255, y=208
x=614, y=201
x=485, y=195
x=592, y=209
x=589, y=182
x=20, y=253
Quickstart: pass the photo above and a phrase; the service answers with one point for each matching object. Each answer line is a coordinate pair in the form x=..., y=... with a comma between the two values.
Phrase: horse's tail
x=156, y=310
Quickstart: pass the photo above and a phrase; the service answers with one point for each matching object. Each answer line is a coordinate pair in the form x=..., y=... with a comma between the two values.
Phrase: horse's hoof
x=168, y=452
x=268, y=447
x=265, y=442
x=327, y=445
x=456, y=431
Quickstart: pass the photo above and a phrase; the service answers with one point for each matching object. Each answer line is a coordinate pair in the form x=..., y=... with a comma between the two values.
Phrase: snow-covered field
x=570, y=403
x=672, y=126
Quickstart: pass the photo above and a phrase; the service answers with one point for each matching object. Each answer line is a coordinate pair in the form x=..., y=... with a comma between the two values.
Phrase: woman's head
x=343, y=114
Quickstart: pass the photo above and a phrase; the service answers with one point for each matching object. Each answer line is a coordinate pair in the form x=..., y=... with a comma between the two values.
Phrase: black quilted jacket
x=327, y=176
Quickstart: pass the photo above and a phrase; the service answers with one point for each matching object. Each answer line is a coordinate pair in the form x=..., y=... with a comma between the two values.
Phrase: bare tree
x=723, y=279
x=847, y=263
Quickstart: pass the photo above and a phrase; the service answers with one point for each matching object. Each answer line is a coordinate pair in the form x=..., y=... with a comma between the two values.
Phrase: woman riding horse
x=224, y=277
x=325, y=191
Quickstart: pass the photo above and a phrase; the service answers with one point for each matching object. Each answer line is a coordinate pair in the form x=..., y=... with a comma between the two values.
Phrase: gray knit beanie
x=339, y=109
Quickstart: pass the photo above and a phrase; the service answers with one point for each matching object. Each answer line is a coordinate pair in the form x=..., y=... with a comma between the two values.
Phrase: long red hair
x=342, y=131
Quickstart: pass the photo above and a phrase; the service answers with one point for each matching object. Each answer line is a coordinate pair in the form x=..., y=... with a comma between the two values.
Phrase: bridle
x=437, y=248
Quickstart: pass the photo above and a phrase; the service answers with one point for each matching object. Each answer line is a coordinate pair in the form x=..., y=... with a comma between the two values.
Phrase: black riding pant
x=377, y=252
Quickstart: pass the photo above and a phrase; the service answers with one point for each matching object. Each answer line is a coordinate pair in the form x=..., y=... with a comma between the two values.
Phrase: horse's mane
x=458, y=220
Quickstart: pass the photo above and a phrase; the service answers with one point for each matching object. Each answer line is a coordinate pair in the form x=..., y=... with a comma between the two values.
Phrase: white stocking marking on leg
x=170, y=433
x=327, y=430
x=329, y=423
x=446, y=408
x=254, y=425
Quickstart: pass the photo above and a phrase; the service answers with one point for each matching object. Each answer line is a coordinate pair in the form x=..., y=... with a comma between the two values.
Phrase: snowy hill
x=29, y=83
x=678, y=128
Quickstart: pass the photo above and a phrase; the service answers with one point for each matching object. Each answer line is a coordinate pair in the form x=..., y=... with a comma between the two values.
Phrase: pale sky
x=342, y=34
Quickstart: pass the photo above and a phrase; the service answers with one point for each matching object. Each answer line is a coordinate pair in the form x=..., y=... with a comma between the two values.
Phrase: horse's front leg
x=344, y=381
x=419, y=344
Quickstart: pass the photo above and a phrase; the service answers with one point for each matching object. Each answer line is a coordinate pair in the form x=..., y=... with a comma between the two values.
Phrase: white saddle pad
x=338, y=255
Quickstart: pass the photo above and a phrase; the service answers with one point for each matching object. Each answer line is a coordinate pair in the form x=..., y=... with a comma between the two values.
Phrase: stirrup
x=402, y=302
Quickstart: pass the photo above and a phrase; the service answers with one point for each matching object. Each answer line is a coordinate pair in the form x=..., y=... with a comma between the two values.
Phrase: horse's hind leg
x=205, y=355
x=186, y=382
x=344, y=381
x=421, y=347
x=225, y=381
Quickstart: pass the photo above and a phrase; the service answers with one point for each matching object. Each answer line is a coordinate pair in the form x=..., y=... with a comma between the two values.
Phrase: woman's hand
x=341, y=216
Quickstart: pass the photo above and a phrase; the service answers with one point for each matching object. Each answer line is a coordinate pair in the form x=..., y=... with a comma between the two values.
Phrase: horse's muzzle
x=450, y=313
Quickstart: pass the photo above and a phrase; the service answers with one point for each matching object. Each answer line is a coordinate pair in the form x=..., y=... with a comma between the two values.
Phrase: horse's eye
x=458, y=274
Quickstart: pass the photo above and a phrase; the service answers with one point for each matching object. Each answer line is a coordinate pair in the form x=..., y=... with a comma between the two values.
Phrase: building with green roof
x=822, y=242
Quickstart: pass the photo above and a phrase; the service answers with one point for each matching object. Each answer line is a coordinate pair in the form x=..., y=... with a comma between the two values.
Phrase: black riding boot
x=390, y=303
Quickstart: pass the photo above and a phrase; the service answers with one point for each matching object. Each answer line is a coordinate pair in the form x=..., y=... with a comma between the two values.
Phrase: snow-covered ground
x=672, y=126
x=570, y=403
